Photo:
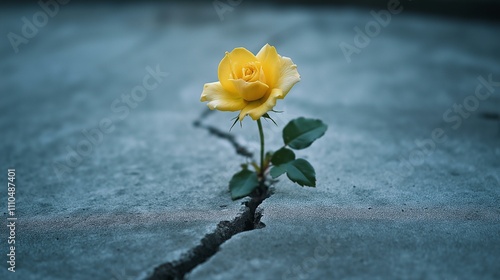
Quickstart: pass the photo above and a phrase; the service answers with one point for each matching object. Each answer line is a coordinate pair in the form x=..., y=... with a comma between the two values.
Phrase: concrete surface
x=155, y=185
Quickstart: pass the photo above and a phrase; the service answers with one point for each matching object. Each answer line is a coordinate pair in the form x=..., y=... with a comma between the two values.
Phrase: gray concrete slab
x=152, y=187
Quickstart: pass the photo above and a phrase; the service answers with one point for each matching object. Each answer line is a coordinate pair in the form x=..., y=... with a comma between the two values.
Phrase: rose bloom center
x=250, y=72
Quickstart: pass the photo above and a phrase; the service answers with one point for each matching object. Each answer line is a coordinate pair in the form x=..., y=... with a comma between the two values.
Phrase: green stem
x=261, y=134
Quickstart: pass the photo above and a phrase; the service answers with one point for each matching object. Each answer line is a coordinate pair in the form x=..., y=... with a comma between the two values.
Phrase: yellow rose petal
x=270, y=61
x=256, y=109
x=220, y=99
x=288, y=75
x=250, y=91
x=225, y=72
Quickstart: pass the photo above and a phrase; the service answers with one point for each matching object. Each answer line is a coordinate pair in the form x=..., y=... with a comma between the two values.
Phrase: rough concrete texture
x=149, y=190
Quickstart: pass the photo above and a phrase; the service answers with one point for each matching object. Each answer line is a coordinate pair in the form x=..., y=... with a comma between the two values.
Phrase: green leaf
x=243, y=183
x=277, y=171
x=300, y=133
x=282, y=156
x=301, y=172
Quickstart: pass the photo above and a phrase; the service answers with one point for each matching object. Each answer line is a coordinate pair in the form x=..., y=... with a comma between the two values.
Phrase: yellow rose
x=251, y=83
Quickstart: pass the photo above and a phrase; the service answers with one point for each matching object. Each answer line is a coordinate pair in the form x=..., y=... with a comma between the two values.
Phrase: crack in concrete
x=248, y=219
x=240, y=149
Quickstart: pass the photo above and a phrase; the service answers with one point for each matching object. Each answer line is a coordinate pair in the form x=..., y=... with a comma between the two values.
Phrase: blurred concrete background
x=110, y=186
